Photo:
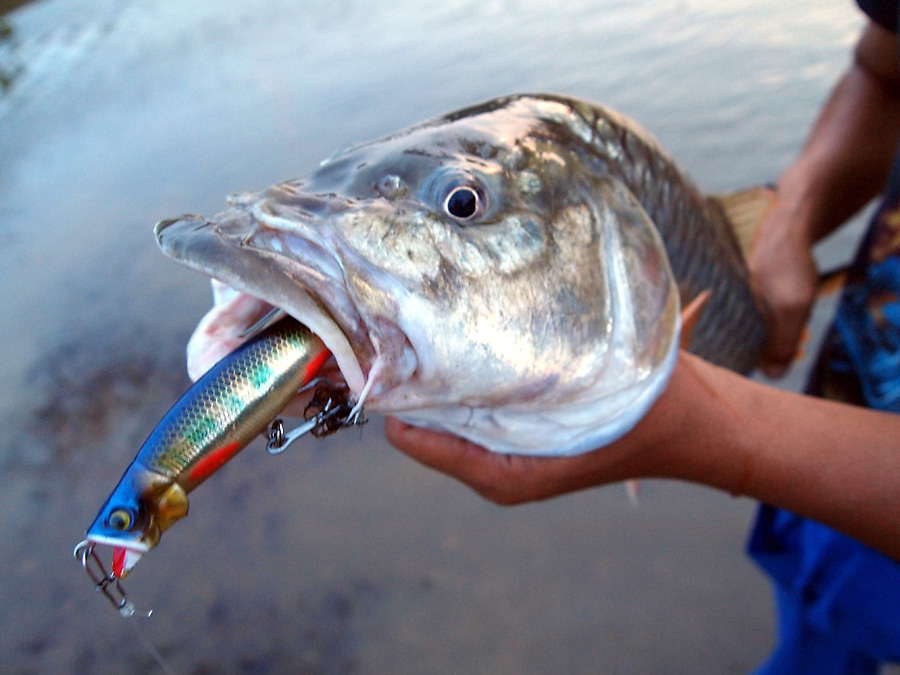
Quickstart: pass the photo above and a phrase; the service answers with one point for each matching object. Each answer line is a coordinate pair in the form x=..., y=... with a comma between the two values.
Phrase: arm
x=831, y=462
x=844, y=164
x=835, y=463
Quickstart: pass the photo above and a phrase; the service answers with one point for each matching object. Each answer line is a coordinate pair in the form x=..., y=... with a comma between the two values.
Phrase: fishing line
x=152, y=650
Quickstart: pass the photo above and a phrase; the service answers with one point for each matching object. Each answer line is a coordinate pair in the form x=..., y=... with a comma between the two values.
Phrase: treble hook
x=106, y=582
x=279, y=439
x=333, y=414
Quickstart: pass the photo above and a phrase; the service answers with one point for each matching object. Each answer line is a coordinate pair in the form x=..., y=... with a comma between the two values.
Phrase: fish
x=511, y=272
x=234, y=402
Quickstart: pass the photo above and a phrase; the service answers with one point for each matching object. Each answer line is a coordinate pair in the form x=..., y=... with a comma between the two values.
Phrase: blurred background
x=342, y=556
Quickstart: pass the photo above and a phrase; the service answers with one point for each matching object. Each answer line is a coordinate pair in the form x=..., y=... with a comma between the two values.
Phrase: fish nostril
x=391, y=187
x=313, y=204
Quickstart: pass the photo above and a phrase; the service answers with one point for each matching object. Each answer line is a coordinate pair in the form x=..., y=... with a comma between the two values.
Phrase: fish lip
x=243, y=248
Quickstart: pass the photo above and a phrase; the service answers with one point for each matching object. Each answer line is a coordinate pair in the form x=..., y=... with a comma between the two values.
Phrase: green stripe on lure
x=511, y=273
x=219, y=415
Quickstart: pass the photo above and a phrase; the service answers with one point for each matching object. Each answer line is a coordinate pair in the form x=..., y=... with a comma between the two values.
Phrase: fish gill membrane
x=511, y=272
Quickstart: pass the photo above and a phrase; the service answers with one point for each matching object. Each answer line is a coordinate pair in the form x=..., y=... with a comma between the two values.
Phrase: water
x=343, y=556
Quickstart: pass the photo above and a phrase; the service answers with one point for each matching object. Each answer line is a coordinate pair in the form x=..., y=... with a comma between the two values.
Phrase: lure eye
x=464, y=203
x=120, y=520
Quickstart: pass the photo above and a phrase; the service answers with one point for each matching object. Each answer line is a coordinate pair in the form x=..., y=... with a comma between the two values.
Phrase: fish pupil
x=462, y=203
x=120, y=520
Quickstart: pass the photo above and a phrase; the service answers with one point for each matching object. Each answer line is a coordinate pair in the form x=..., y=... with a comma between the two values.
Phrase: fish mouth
x=256, y=269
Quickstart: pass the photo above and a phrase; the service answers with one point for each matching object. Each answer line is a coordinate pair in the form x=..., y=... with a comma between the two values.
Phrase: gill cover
x=620, y=378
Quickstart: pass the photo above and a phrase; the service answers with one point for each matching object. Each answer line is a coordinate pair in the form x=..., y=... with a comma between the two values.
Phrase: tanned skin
x=831, y=462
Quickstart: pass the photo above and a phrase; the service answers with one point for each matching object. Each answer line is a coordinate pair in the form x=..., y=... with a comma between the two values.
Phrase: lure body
x=217, y=417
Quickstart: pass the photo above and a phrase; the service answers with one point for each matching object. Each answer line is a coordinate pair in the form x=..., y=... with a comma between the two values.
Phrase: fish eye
x=464, y=203
x=120, y=520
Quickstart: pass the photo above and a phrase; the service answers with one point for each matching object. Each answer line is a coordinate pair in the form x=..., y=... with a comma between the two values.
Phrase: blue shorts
x=838, y=600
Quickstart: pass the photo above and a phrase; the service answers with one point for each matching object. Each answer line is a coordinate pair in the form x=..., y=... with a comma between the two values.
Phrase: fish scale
x=702, y=248
x=541, y=319
x=511, y=273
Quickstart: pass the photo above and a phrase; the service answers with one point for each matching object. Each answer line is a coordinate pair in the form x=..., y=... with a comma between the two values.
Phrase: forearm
x=844, y=164
x=848, y=154
x=835, y=463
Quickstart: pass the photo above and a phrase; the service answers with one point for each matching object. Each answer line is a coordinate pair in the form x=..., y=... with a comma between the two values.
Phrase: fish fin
x=690, y=315
x=745, y=210
x=124, y=559
x=631, y=489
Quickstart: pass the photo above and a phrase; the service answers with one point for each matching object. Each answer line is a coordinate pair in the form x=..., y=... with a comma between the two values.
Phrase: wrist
x=698, y=432
x=795, y=217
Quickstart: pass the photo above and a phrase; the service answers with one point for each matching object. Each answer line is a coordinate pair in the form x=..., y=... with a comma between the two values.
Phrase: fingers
x=501, y=478
x=786, y=331
x=790, y=299
x=785, y=278
x=484, y=471
x=443, y=452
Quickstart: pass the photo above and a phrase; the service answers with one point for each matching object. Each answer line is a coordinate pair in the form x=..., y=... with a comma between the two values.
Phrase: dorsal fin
x=746, y=210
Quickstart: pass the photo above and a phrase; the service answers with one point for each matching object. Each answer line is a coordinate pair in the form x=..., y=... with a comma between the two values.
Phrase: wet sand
x=341, y=556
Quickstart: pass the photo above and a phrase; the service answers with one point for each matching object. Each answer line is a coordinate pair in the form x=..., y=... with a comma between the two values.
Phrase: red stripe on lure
x=315, y=365
x=209, y=464
x=229, y=406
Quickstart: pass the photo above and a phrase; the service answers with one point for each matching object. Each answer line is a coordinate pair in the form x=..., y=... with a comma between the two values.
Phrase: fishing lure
x=218, y=416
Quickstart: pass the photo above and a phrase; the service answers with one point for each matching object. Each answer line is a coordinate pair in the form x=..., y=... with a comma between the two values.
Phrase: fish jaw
x=233, y=249
x=274, y=254
x=573, y=429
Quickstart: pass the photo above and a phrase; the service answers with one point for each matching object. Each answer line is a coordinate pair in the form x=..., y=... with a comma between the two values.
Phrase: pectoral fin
x=690, y=315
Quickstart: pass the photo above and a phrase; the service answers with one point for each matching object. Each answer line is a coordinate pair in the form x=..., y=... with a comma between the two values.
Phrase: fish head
x=143, y=505
x=477, y=272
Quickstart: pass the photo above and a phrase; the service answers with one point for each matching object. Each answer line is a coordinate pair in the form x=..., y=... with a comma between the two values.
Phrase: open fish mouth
x=256, y=270
x=510, y=272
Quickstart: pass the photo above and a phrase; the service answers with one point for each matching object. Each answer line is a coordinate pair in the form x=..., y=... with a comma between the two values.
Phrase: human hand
x=510, y=479
x=664, y=443
x=785, y=277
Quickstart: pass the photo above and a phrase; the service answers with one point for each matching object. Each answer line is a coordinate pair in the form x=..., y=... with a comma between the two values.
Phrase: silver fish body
x=511, y=272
